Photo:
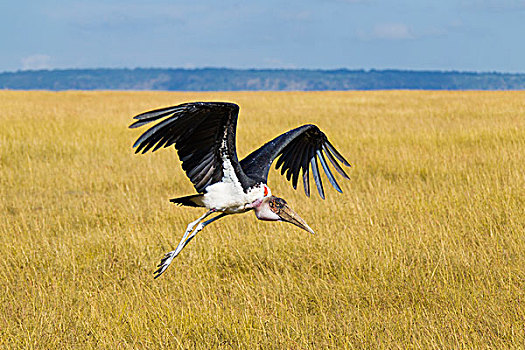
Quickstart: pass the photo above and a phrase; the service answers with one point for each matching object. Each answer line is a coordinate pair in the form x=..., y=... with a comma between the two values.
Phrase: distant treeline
x=223, y=79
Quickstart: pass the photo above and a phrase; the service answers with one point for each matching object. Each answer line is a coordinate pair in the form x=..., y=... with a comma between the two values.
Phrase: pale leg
x=200, y=227
x=168, y=258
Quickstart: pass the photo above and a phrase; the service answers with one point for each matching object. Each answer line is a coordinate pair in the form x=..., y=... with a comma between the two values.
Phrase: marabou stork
x=203, y=134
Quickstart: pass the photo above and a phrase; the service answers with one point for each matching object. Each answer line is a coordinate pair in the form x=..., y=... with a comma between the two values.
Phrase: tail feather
x=194, y=200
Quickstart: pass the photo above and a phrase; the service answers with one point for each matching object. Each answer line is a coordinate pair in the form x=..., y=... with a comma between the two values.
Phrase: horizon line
x=365, y=70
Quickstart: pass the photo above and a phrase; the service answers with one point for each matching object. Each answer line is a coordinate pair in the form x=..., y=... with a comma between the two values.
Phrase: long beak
x=288, y=215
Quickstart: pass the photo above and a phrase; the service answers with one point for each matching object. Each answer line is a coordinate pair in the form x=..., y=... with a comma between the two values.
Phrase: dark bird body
x=203, y=133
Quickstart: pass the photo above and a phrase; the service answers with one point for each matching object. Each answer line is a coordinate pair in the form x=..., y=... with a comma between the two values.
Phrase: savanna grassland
x=424, y=249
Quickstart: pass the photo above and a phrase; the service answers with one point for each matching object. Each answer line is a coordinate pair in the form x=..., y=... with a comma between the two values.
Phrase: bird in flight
x=203, y=133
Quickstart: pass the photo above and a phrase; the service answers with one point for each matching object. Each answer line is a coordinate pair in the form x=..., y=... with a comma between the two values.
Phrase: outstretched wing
x=299, y=149
x=203, y=134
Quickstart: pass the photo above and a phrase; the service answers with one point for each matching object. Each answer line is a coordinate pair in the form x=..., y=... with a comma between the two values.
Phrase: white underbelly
x=226, y=197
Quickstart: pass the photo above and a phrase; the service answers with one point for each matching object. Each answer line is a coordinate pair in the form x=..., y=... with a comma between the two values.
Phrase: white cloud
x=387, y=31
x=37, y=61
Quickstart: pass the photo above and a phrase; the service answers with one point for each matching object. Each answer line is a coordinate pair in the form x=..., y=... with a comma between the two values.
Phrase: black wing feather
x=296, y=150
x=335, y=164
x=327, y=171
x=297, y=165
x=203, y=134
x=337, y=154
x=291, y=163
x=317, y=176
x=306, y=182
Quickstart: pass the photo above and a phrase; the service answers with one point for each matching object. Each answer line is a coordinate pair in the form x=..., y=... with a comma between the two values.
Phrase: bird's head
x=273, y=208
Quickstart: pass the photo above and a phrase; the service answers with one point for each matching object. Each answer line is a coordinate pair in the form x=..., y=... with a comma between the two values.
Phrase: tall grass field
x=425, y=249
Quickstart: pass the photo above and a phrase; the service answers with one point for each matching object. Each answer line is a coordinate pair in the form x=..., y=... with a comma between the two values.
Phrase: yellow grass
x=425, y=248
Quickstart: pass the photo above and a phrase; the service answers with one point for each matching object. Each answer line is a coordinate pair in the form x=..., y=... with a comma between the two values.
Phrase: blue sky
x=465, y=35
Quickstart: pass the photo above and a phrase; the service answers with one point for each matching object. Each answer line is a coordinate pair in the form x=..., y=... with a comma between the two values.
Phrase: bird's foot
x=164, y=263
